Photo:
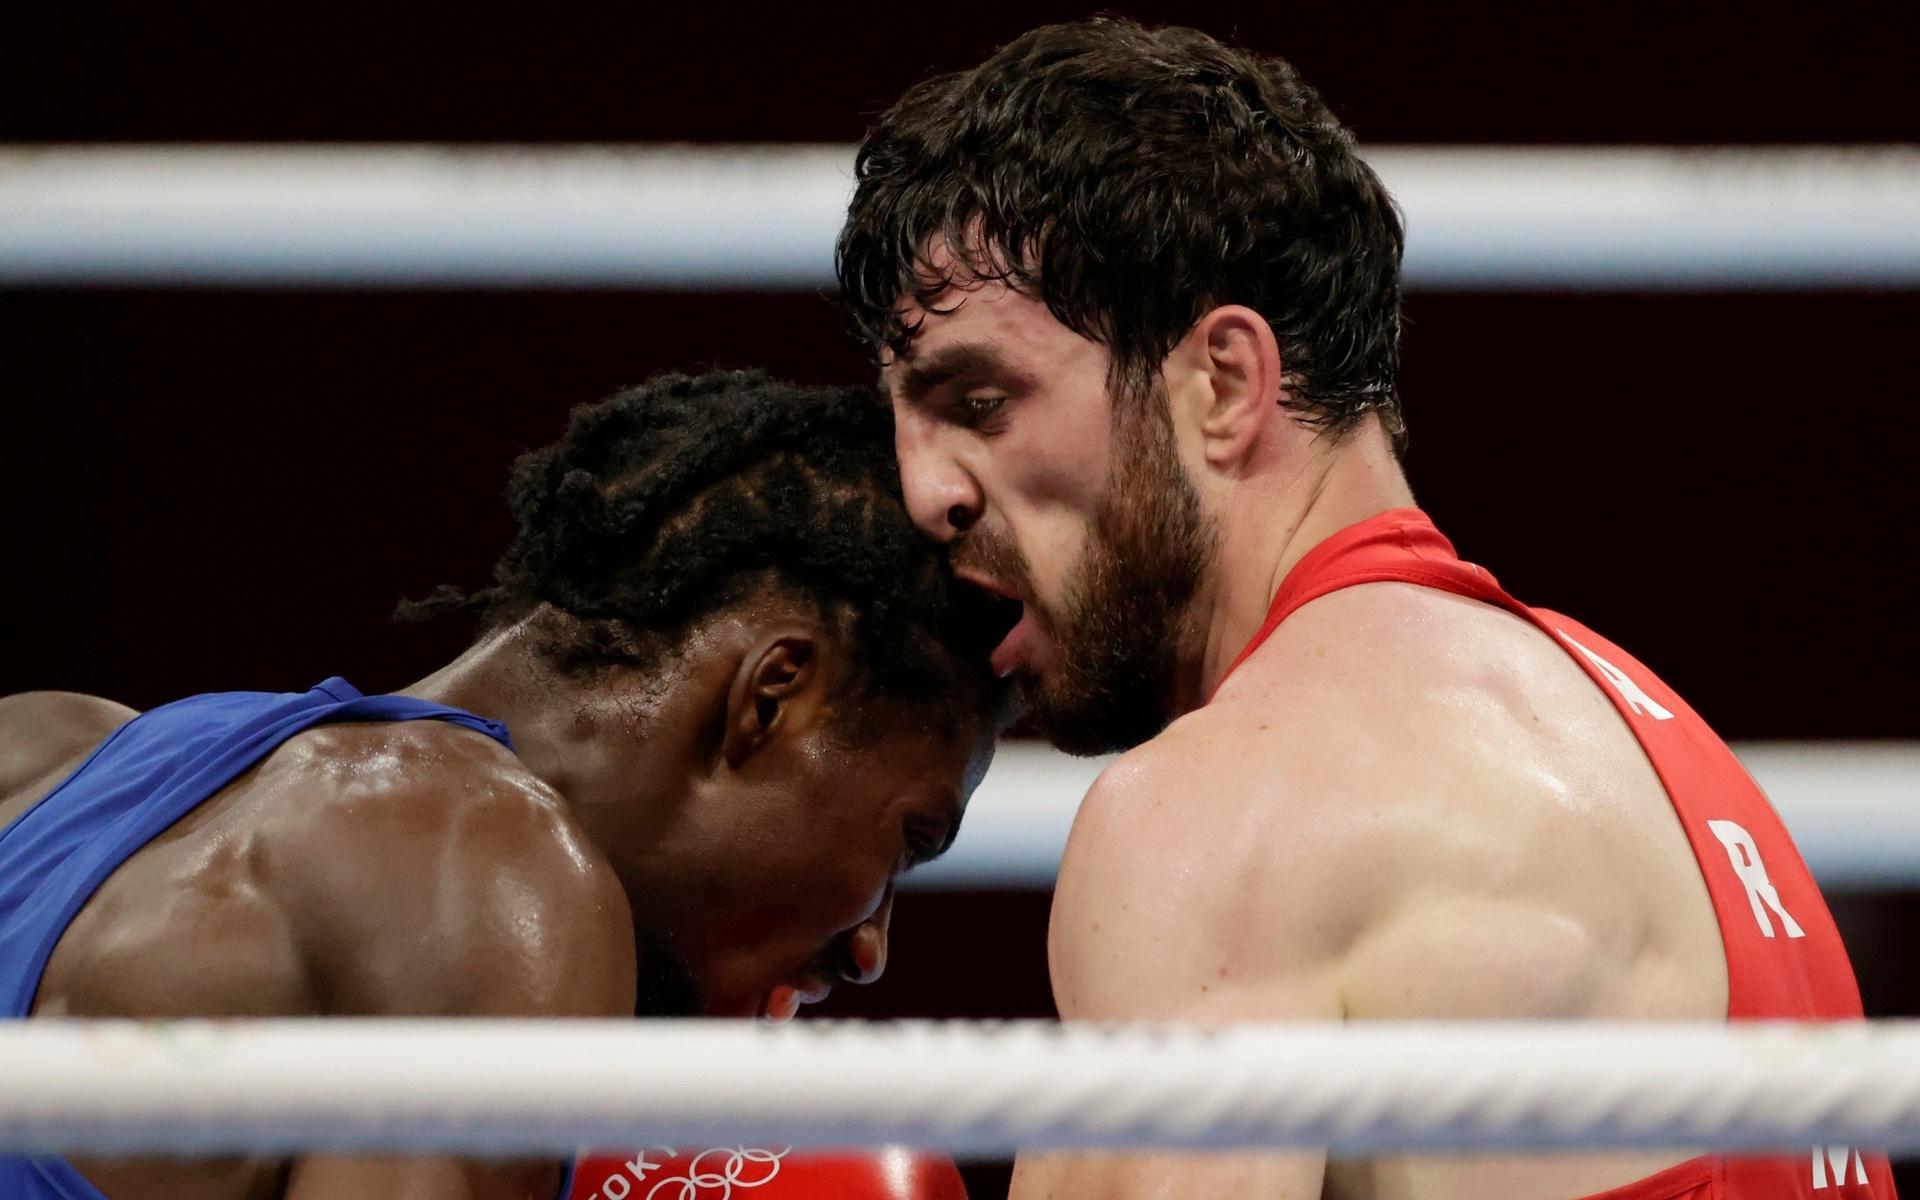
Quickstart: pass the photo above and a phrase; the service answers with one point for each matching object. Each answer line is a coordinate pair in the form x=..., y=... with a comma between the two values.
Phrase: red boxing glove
x=742, y=1173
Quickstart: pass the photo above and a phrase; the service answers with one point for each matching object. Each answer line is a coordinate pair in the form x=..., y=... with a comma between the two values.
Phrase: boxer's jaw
x=1098, y=665
x=1014, y=451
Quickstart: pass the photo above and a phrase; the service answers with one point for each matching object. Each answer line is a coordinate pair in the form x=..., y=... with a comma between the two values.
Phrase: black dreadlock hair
x=675, y=498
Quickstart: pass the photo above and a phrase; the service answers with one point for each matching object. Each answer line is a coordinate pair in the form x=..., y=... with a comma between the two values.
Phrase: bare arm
x=1159, y=915
x=493, y=908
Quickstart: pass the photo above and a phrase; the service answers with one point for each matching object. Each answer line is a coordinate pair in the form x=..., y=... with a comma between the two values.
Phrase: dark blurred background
x=210, y=489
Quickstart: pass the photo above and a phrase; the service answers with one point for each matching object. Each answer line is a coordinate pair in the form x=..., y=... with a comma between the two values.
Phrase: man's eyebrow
x=913, y=379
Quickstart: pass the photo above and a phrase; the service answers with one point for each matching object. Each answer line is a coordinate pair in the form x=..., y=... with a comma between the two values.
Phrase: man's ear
x=1237, y=352
x=780, y=669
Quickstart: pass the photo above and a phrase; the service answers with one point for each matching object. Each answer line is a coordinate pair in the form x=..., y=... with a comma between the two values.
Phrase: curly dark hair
x=1132, y=179
x=678, y=497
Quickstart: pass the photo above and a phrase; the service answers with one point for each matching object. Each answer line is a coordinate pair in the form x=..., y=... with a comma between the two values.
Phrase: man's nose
x=942, y=497
x=867, y=945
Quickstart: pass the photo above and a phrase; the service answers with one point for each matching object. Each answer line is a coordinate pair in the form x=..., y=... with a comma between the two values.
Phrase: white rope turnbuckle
x=549, y=1087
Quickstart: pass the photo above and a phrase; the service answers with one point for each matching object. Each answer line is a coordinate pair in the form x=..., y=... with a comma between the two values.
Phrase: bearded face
x=1119, y=623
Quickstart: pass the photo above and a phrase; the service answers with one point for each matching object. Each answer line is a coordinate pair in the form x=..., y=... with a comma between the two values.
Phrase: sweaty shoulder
x=1176, y=899
x=1401, y=684
x=1409, y=801
x=46, y=734
x=427, y=872
x=1517, y=851
x=1301, y=772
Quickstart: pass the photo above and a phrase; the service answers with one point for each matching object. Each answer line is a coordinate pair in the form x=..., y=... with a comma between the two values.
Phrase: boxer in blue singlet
x=723, y=696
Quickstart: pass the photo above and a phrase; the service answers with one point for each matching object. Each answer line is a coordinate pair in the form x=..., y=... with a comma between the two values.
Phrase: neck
x=587, y=743
x=1271, y=517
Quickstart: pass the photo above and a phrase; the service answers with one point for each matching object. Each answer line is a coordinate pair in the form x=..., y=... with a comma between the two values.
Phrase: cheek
x=823, y=858
x=1052, y=491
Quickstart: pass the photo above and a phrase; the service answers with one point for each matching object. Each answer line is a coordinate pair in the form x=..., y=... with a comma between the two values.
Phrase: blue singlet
x=147, y=774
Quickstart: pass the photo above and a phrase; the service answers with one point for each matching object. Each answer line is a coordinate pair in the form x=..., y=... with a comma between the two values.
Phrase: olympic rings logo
x=711, y=1177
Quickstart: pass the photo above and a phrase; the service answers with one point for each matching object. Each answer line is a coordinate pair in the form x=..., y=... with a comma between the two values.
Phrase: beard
x=1119, y=628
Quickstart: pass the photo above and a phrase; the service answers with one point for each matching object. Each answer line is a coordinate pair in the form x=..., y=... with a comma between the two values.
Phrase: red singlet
x=1784, y=956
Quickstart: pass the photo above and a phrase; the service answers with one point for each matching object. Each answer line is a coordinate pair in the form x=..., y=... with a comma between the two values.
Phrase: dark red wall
x=209, y=489
x=371, y=69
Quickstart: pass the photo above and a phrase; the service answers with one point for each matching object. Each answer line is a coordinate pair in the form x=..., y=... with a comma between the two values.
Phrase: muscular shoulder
x=41, y=732
x=1392, y=654
x=1411, y=698
x=427, y=872
x=1396, y=776
x=1280, y=788
x=1196, y=886
x=1507, y=838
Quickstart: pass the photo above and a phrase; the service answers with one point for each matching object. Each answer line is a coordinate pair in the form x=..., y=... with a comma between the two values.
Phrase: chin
x=730, y=1002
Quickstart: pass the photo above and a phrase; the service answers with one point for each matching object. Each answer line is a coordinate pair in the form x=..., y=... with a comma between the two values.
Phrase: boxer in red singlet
x=1136, y=299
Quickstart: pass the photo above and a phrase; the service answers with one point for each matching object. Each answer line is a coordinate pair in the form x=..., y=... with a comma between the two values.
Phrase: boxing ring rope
x=1853, y=809
x=551, y=1087
x=765, y=217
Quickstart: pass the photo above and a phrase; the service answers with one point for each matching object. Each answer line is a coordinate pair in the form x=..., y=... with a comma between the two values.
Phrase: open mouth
x=1002, y=614
x=993, y=611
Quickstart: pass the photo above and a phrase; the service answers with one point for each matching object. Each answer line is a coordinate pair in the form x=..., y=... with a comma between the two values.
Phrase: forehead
x=982, y=322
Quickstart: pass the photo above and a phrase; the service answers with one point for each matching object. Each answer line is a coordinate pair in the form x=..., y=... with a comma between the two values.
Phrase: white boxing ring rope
x=1853, y=809
x=765, y=217
x=498, y=1087
x=553, y=1087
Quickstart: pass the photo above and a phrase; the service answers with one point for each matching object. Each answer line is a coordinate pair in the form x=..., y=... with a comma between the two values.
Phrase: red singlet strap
x=1400, y=545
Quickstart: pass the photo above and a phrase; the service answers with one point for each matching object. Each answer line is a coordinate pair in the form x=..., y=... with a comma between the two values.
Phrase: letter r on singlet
x=1635, y=696
x=1745, y=857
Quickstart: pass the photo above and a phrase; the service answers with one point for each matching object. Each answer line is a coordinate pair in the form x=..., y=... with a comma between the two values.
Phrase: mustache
x=993, y=554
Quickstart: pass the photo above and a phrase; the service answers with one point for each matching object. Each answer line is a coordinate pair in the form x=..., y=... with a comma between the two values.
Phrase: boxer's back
x=236, y=859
